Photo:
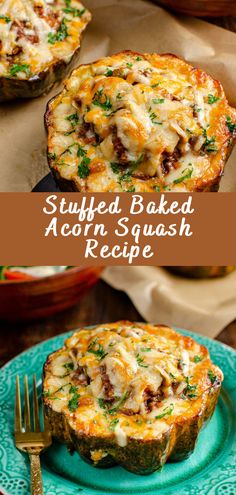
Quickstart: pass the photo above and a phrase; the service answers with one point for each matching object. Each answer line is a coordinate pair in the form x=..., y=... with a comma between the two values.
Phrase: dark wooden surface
x=225, y=22
x=102, y=304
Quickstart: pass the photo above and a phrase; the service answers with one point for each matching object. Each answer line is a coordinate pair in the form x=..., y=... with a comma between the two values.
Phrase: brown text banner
x=118, y=229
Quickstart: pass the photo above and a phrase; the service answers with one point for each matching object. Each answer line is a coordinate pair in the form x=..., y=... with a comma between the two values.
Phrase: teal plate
x=209, y=471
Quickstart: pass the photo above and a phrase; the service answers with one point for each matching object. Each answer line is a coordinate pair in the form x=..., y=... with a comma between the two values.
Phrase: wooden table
x=101, y=305
x=225, y=22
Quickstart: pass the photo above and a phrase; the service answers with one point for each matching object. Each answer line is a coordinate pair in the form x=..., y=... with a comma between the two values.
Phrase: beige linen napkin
x=203, y=306
x=116, y=25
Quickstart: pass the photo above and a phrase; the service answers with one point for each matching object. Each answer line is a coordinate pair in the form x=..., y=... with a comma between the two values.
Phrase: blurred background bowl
x=44, y=296
x=202, y=8
x=201, y=271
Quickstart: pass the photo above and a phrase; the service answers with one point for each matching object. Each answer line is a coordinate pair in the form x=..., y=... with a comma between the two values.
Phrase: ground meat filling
x=25, y=30
x=119, y=148
x=107, y=386
x=80, y=377
x=170, y=161
x=51, y=17
x=17, y=50
x=152, y=399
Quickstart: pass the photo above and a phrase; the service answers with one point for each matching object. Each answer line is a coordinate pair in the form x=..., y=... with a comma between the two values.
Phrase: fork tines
x=30, y=431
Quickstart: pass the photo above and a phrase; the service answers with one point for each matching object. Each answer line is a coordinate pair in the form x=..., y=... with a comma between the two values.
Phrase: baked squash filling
x=35, y=35
x=122, y=383
x=140, y=122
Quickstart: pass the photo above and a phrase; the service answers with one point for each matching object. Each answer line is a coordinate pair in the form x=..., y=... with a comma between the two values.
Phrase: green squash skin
x=187, y=432
x=138, y=456
x=36, y=86
x=201, y=271
x=39, y=84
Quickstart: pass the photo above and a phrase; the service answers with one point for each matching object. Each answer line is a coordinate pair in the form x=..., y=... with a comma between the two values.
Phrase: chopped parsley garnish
x=140, y=361
x=102, y=403
x=61, y=162
x=113, y=424
x=153, y=116
x=112, y=410
x=60, y=35
x=197, y=359
x=49, y=395
x=102, y=101
x=15, y=68
x=166, y=412
x=157, y=188
x=52, y=156
x=75, y=12
x=213, y=378
x=209, y=143
x=73, y=389
x=136, y=163
x=83, y=168
x=73, y=119
x=129, y=65
x=68, y=366
x=120, y=403
x=190, y=390
x=158, y=100
x=230, y=125
x=74, y=401
x=145, y=349
x=5, y=18
x=212, y=99
x=109, y=72
x=81, y=151
x=196, y=108
x=97, y=349
x=126, y=177
x=115, y=167
x=139, y=59
x=156, y=84
x=68, y=133
x=68, y=149
x=186, y=174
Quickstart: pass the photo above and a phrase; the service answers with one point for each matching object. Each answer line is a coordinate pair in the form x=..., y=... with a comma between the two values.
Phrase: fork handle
x=36, y=476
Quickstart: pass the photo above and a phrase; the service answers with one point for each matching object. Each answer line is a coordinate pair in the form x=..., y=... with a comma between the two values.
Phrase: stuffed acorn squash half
x=202, y=271
x=39, y=39
x=130, y=394
x=139, y=123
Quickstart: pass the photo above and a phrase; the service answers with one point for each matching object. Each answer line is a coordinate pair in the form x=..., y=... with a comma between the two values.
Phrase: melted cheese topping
x=127, y=379
x=135, y=122
x=36, y=33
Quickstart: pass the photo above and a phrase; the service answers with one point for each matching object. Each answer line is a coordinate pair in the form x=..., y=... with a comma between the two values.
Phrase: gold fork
x=31, y=440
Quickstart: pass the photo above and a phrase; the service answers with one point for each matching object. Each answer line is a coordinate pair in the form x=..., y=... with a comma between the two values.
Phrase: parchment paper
x=203, y=306
x=116, y=25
